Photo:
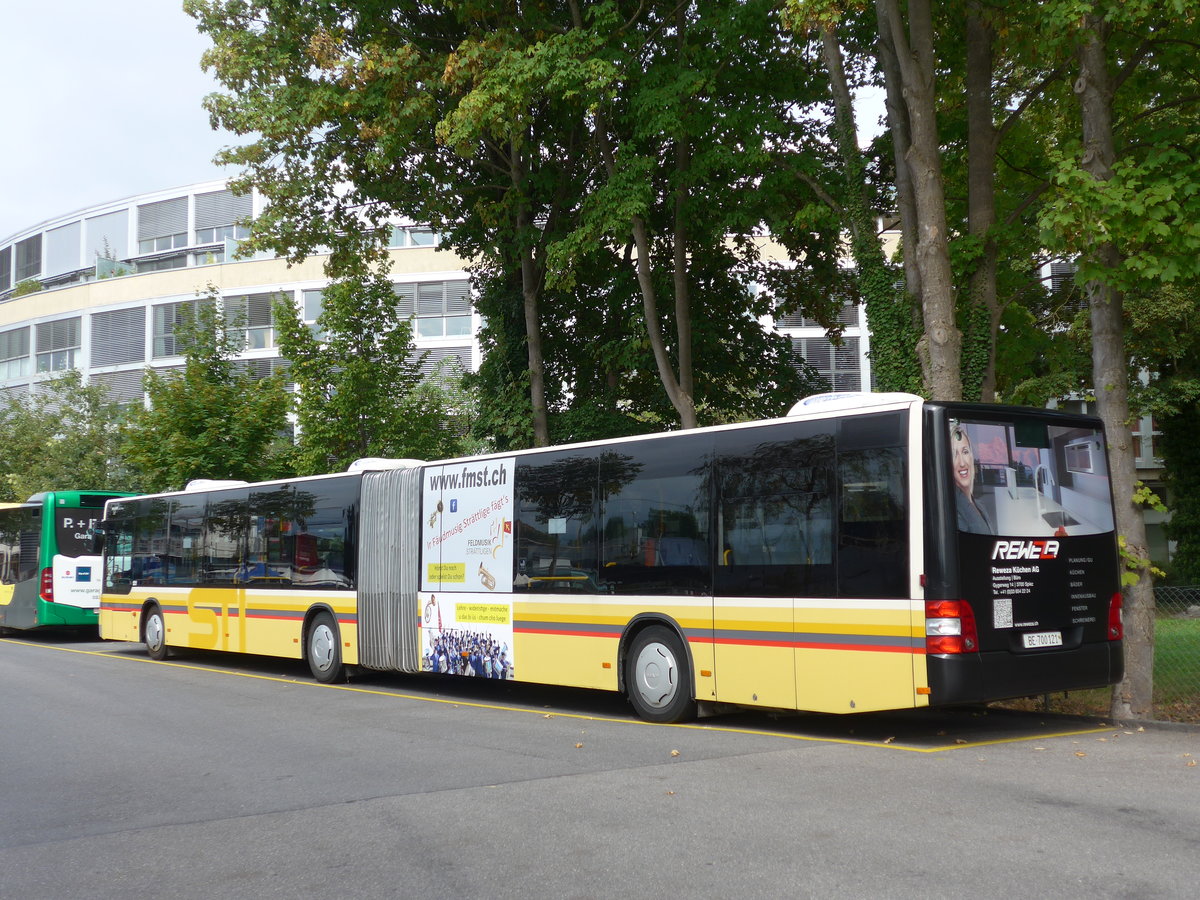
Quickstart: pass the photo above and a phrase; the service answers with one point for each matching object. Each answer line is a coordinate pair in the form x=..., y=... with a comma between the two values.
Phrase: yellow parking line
x=469, y=704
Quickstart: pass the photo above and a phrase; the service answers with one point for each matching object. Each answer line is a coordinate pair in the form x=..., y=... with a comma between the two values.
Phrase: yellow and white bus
x=865, y=552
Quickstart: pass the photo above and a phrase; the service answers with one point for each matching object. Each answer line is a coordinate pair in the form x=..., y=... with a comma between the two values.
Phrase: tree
x=1144, y=188
x=359, y=385
x=545, y=143
x=213, y=419
x=65, y=435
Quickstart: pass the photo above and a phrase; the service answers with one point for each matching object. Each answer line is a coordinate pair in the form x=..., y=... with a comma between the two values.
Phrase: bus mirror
x=98, y=540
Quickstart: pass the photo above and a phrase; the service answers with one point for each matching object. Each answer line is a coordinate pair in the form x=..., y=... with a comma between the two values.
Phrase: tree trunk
x=1133, y=697
x=981, y=185
x=942, y=341
x=531, y=289
x=897, y=115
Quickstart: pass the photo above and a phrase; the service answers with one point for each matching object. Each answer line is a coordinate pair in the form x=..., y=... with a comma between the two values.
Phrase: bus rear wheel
x=154, y=633
x=323, y=649
x=657, y=677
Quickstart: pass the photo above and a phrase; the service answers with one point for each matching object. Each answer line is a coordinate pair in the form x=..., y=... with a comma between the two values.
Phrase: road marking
x=471, y=704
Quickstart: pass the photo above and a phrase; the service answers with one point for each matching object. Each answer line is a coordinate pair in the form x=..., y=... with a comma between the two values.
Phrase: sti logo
x=1025, y=550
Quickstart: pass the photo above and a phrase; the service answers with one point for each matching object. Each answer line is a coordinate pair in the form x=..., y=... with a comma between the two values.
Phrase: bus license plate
x=1042, y=639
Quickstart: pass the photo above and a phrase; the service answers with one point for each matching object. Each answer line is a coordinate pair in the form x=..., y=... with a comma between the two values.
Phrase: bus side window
x=556, y=523
x=775, y=518
x=655, y=516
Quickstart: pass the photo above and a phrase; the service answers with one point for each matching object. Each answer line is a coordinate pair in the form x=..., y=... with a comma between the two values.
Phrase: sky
x=101, y=101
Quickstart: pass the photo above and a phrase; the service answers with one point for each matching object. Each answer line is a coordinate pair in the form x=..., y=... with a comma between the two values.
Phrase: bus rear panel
x=1023, y=586
x=49, y=576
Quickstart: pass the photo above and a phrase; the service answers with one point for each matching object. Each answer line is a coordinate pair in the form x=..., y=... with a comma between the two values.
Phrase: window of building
x=162, y=225
x=219, y=215
x=441, y=308
x=118, y=337
x=14, y=353
x=838, y=365
x=848, y=315
x=253, y=315
x=28, y=255
x=57, y=345
x=412, y=237
x=314, y=304
x=222, y=233
x=5, y=268
x=166, y=317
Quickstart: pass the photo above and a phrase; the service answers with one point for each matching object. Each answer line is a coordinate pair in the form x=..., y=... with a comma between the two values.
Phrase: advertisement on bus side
x=467, y=568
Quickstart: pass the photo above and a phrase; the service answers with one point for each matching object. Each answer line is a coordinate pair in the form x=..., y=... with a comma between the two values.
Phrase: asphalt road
x=214, y=776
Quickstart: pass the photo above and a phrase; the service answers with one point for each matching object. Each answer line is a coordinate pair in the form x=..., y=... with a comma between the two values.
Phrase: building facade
x=101, y=289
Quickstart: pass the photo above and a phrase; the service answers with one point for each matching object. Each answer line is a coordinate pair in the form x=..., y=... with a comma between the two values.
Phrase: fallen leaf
x=959, y=741
x=1102, y=740
x=1141, y=728
x=1191, y=762
x=888, y=740
x=1039, y=748
x=1080, y=754
x=670, y=793
x=674, y=752
x=577, y=746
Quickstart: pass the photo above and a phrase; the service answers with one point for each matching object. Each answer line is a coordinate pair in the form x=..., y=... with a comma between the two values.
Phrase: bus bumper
x=980, y=677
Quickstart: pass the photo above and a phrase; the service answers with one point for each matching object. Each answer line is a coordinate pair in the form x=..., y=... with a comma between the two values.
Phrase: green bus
x=49, y=574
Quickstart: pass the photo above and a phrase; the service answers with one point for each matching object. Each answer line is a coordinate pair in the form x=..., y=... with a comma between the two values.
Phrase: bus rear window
x=1029, y=478
x=73, y=530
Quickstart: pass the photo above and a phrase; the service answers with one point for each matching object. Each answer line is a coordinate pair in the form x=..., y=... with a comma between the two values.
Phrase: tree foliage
x=64, y=436
x=360, y=391
x=213, y=418
x=592, y=162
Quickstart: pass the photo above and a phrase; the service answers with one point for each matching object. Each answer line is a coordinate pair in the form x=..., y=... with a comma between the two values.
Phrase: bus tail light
x=47, y=588
x=1116, y=619
x=950, y=627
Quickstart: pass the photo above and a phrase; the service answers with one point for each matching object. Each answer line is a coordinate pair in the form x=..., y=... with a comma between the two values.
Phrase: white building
x=114, y=278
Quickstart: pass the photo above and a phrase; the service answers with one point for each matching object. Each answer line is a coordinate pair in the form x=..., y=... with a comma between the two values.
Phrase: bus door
x=774, y=526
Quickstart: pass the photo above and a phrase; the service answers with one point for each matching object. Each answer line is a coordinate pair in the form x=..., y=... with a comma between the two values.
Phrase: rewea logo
x=1025, y=550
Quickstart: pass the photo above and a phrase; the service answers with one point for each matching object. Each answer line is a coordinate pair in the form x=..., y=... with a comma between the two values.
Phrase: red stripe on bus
x=600, y=634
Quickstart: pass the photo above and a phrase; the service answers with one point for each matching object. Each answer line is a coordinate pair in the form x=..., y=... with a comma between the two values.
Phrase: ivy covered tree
x=213, y=418
x=359, y=385
x=66, y=435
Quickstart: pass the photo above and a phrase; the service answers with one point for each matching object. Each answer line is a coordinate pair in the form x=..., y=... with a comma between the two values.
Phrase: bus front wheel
x=154, y=633
x=323, y=649
x=657, y=678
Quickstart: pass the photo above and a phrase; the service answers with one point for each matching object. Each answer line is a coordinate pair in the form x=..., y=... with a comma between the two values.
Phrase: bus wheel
x=154, y=633
x=323, y=649
x=657, y=678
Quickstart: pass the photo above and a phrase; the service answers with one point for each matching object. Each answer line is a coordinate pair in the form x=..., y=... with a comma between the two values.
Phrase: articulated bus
x=49, y=574
x=865, y=552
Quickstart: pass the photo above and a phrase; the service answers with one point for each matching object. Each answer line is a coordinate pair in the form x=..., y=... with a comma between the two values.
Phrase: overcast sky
x=101, y=101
